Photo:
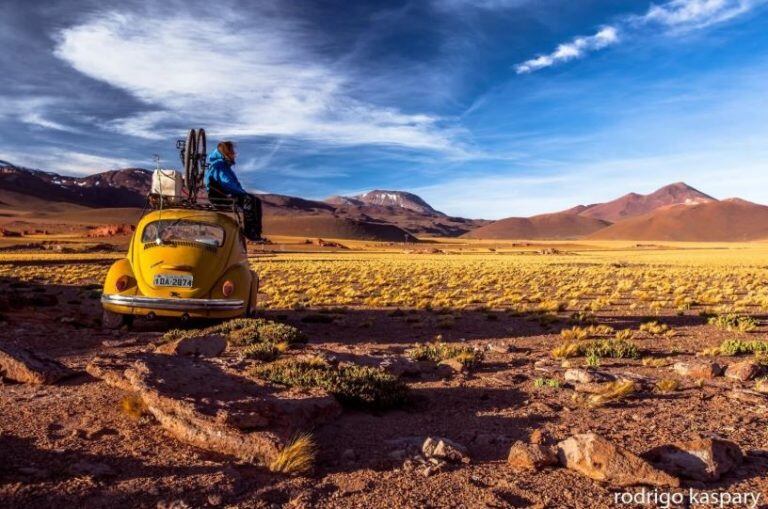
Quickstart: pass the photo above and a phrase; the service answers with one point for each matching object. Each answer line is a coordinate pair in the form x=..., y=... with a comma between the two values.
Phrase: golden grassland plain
x=605, y=277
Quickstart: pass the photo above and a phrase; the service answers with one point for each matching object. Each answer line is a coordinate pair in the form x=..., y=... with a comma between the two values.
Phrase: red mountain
x=633, y=204
x=560, y=225
x=713, y=221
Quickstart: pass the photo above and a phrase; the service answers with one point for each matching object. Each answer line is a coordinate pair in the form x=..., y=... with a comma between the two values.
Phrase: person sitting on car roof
x=221, y=182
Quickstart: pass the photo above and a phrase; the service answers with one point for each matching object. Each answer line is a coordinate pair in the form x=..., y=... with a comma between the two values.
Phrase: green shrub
x=597, y=348
x=613, y=348
x=733, y=322
x=244, y=331
x=551, y=383
x=739, y=347
x=261, y=351
x=351, y=384
x=437, y=352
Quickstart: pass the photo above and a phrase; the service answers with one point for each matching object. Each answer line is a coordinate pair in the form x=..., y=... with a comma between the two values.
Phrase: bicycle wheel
x=190, y=164
x=202, y=155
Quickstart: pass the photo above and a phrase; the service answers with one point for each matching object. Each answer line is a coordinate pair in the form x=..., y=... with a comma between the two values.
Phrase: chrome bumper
x=137, y=301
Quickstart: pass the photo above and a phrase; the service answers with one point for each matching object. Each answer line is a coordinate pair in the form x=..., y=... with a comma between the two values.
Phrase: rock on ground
x=524, y=456
x=25, y=366
x=704, y=370
x=445, y=449
x=199, y=403
x=701, y=459
x=597, y=458
x=201, y=346
x=744, y=370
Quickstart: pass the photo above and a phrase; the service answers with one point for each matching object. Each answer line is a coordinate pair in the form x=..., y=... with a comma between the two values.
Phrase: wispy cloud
x=65, y=161
x=33, y=110
x=690, y=14
x=675, y=16
x=239, y=80
x=576, y=48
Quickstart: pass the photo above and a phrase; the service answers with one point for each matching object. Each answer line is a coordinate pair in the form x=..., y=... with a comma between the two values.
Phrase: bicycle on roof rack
x=171, y=189
x=193, y=153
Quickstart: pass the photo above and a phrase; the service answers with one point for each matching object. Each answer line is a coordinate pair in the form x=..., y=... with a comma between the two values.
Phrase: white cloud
x=260, y=78
x=697, y=13
x=674, y=16
x=606, y=36
x=66, y=161
x=33, y=111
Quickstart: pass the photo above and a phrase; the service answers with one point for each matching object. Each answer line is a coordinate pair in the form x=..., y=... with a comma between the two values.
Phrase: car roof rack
x=222, y=205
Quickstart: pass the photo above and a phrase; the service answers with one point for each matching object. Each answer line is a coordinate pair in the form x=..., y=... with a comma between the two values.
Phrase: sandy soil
x=70, y=445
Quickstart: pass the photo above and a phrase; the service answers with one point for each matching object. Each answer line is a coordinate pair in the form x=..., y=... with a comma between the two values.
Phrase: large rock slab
x=599, y=459
x=200, y=403
x=25, y=366
x=700, y=459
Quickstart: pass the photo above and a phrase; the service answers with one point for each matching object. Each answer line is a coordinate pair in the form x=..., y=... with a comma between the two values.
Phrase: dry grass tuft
x=657, y=362
x=566, y=350
x=656, y=328
x=667, y=385
x=611, y=392
x=297, y=457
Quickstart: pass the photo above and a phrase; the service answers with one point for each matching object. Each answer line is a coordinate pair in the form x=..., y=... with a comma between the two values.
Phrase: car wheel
x=112, y=320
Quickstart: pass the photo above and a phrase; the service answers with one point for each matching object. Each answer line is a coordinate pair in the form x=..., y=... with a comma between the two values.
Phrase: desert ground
x=486, y=346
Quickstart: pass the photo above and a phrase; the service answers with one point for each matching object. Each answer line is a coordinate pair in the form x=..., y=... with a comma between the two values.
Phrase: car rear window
x=182, y=230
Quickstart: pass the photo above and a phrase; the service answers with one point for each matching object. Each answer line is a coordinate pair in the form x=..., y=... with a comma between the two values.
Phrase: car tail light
x=122, y=283
x=228, y=288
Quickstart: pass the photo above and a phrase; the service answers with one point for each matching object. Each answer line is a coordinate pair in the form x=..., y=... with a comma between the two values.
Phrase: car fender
x=118, y=269
x=240, y=274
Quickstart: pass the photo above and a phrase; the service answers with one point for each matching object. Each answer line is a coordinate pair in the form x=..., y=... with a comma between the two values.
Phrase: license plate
x=182, y=281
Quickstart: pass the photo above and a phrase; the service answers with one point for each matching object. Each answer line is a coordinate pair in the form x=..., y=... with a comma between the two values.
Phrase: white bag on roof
x=167, y=183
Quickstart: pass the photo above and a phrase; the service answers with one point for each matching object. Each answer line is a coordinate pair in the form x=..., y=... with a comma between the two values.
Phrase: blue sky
x=486, y=108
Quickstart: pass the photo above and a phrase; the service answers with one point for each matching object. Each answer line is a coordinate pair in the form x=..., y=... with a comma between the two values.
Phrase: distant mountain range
x=118, y=188
x=379, y=215
x=673, y=212
x=633, y=204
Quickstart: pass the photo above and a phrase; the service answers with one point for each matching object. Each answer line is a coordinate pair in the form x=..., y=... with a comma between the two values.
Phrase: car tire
x=110, y=320
x=250, y=311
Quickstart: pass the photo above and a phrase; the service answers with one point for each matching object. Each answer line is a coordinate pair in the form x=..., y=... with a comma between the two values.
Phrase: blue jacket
x=221, y=176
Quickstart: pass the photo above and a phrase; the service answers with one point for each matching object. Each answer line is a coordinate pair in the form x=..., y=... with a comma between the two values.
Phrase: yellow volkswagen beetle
x=186, y=263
